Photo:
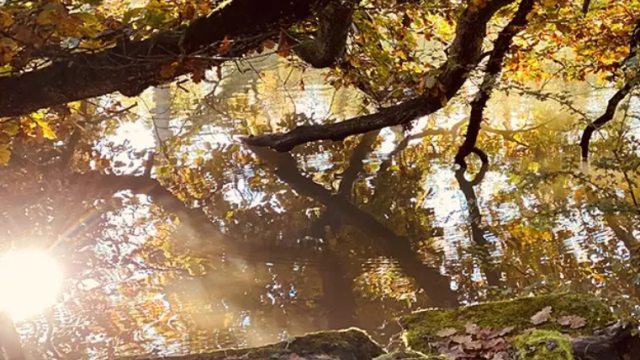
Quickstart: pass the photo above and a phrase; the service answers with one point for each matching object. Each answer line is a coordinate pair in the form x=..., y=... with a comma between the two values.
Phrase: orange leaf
x=225, y=46
x=284, y=49
x=168, y=70
x=198, y=75
x=269, y=44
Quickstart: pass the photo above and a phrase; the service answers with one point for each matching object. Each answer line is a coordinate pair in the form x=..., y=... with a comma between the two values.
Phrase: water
x=249, y=248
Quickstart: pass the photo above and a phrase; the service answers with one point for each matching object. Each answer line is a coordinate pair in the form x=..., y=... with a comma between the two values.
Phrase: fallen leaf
x=168, y=70
x=198, y=75
x=462, y=339
x=492, y=343
x=500, y=356
x=473, y=345
x=446, y=332
x=455, y=353
x=506, y=330
x=573, y=321
x=225, y=46
x=295, y=357
x=542, y=316
x=269, y=44
x=471, y=328
x=284, y=48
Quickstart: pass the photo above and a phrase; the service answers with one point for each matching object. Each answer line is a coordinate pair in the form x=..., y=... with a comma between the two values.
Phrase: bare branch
x=615, y=100
x=465, y=53
x=494, y=66
x=606, y=117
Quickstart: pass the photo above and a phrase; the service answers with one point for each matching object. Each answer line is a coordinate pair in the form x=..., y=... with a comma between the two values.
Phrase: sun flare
x=29, y=282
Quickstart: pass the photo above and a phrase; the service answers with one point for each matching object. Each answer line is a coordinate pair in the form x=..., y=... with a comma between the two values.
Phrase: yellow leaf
x=550, y=3
x=47, y=17
x=6, y=19
x=47, y=131
x=5, y=154
x=7, y=50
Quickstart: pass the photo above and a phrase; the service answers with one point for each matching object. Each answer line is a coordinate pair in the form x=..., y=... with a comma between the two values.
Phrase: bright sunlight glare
x=29, y=282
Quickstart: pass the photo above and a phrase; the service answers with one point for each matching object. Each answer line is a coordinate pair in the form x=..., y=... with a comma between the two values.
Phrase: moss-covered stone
x=350, y=344
x=422, y=327
x=543, y=345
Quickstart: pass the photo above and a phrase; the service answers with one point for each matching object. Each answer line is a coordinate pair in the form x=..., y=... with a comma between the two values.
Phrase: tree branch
x=494, y=66
x=465, y=53
x=330, y=41
x=615, y=100
x=131, y=67
x=612, y=106
x=585, y=7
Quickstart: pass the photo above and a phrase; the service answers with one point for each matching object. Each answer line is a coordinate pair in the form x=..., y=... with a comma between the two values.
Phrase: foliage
x=187, y=241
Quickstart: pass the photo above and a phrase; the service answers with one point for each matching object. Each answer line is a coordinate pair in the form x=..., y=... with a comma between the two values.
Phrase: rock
x=543, y=345
x=422, y=327
x=350, y=344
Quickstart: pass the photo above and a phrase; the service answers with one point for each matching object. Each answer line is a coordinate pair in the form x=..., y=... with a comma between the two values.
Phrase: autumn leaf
x=446, y=332
x=284, y=49
x=168, y=70
x=269, y=44
x=198, y=75
x=461, y=339
x=493, y=343
x=48, y=17
x=5, y=154
x=542, y=316
x=6, y=19
x=572, y=321
x=47, y=131
x=471, y=328
x=225, y=46
x=506, y=330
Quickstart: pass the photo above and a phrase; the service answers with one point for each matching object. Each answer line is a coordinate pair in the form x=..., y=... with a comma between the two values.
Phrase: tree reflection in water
x=219, y=245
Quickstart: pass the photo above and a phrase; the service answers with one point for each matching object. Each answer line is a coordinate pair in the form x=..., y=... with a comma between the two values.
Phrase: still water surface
x=335, y=234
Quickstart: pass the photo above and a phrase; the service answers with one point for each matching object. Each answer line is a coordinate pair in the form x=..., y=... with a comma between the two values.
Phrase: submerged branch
x=398, y=247
x=475, y=219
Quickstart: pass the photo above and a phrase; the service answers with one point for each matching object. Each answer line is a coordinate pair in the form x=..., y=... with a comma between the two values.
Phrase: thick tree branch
x=465, y=53
x=329, y=44
x=500, y=49
x=131, y=67
x=585, y=6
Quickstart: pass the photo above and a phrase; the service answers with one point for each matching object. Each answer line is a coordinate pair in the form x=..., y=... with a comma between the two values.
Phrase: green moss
x=421, y=327
x=349, y=344
x=543, y=345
